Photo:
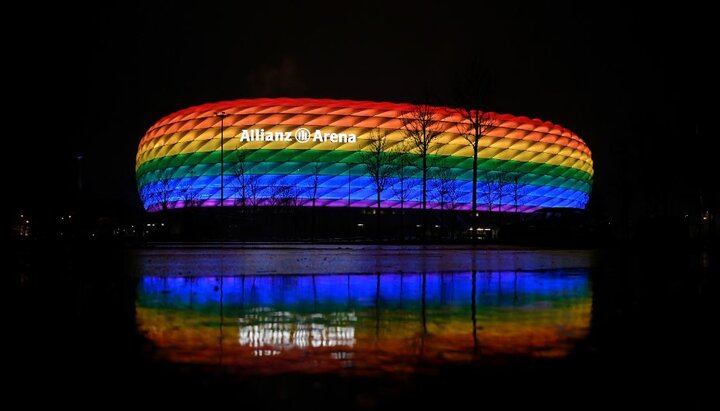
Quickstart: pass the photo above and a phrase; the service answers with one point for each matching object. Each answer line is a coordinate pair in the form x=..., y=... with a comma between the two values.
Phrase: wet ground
x=365, y=327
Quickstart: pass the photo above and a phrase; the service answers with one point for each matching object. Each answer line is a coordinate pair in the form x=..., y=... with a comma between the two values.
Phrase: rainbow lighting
x=362, y=323
x=313, y=148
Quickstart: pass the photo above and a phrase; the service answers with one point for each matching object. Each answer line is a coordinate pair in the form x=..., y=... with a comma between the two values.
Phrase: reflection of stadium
x=370, y=322
x=274, y=331
x=178, y=160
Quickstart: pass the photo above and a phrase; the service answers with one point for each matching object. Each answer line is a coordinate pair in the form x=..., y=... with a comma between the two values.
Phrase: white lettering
x=317, y=136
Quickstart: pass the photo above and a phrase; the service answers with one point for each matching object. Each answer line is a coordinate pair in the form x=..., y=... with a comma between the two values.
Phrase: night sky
x=631, y=82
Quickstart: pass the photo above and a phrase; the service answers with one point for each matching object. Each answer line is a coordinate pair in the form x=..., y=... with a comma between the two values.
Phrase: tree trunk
x=379, y=218
x=402, y=216
x=312, y=221
x=474, y=191
x=424, y=194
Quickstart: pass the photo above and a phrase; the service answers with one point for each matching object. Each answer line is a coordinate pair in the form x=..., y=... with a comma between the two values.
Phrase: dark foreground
x=629, y=329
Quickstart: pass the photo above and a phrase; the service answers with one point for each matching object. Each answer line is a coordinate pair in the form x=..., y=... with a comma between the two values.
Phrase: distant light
x=162, y=224
x=437, y=226
x=69, y=216
x=27, y=221
x=148, y=224
x=22, y=216
x=418, y=225
x=361, y=225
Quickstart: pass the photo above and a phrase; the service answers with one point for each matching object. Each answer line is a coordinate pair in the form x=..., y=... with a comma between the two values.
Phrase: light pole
x=222, y=116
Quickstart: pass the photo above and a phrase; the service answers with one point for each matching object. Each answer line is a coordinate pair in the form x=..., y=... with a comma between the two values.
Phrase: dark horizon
x=629, y=81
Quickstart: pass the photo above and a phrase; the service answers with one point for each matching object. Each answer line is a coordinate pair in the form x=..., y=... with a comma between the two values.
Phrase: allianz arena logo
x=302, y=135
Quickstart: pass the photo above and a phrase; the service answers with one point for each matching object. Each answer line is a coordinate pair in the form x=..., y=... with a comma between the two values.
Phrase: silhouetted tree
x=422, y=127
x=444, y=189
x=501, y=185
x=471, y=95
x=314, y=185
x=489, y=190
x=159, y=191
x=245, y=181
x=516, y=188
x=403, y=162
x=378, y=164
x=190, y=193
x=283, y=195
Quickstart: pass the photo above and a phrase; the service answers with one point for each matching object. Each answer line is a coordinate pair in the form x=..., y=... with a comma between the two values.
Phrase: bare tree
x=315, y=181
x=284, y=199
x=516, y=188
x=501, y=185
x=253, y=189
x=403, y=162
x=245, y=181
x=283, y=195
x=472, y=93
x=378, y=164
x=190, y=193
x=444, y=187
x=445, y=190
x=159, y=191
x=422, y=128
x=489, y=190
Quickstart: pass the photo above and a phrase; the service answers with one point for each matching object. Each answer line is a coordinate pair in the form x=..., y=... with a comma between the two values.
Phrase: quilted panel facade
x=523, y=163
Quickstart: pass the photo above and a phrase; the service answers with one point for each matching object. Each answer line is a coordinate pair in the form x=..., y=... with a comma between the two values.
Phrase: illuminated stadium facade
x=287, y=151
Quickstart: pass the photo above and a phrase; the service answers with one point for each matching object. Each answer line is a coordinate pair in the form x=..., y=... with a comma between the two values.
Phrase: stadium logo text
x=301, y=135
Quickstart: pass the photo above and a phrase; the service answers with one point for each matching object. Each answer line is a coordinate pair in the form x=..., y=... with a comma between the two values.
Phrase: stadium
x=309, y=152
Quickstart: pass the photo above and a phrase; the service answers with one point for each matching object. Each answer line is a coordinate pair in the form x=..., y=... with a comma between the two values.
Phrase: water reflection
x=363, y=323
